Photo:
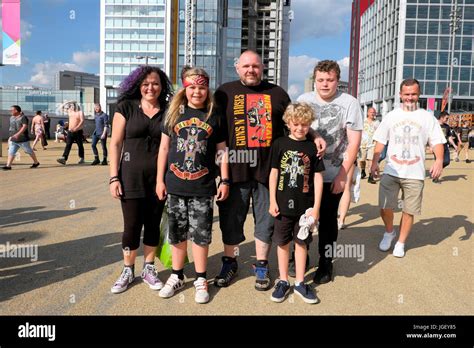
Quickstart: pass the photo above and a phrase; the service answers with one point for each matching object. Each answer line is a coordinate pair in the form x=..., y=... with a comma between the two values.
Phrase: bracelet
x=225, y=182
x=113, y=179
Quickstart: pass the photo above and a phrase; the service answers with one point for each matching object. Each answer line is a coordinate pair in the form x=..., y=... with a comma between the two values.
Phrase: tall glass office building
x=218, y=31
x=130, y=29
x=412, y=38
x=224, y=28
x=216, y=37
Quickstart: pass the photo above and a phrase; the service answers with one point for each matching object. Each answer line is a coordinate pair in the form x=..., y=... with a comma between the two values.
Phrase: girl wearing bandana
x=191, y=138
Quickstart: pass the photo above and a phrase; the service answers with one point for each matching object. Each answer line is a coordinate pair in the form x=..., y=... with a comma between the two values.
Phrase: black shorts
x=286, y=229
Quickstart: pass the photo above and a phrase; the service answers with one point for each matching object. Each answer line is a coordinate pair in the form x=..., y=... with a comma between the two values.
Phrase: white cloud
x=301, y=68
x=25, y=30
x=84, y=59
x=44, y=73
x=344, y=65
x=294, y=91
x=315, y=19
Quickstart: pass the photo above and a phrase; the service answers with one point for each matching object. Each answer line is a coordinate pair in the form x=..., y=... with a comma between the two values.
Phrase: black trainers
x=292, y=266
x=104, y=162
x=371, y=180
x=228, y=272
x=363, y=175
x=61, y=160
x=35, y=165
x=262, y=277
x=7, y=168
x=468, y=161
x=95, y=162
x=323, y=274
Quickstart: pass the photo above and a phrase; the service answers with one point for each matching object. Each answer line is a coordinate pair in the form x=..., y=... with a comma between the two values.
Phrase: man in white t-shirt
x=407, y=131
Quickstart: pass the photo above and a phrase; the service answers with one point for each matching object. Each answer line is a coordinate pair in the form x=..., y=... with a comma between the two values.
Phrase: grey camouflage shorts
x=190, y=218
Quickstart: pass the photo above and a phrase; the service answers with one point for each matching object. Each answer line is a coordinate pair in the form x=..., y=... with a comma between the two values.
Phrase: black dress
x=138, y=168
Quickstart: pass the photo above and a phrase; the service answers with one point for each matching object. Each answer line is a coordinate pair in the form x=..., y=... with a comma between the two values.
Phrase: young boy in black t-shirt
x=296, y=186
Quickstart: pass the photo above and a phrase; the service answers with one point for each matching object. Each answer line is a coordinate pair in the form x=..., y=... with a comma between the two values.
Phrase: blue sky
x=64, y=34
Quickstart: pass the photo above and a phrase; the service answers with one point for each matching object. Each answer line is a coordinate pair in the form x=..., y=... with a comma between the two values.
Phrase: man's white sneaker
x=387, y=239
x=399, y=250
x=172, y=285
x=202, y=294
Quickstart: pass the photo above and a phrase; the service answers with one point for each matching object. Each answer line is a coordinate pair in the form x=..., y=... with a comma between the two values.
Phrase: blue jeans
x=95, y=140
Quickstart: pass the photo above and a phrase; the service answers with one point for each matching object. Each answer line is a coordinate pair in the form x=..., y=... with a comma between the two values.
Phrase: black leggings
x=328, y=220
x=138, y=213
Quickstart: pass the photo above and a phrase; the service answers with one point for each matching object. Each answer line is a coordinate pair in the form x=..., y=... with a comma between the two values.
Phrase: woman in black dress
x=133, y=153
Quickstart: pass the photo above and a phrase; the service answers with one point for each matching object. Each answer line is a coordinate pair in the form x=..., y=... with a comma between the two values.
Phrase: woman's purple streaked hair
x=130, y=86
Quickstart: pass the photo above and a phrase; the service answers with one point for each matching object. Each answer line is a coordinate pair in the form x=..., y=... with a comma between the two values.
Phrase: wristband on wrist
x=224, y=182
x=113, y=179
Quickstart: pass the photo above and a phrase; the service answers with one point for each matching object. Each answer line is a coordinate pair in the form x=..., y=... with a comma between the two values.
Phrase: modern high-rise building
x=130, y=30
x=412, y=38
x=206, y=33
x=266, y=29
x=219, y=30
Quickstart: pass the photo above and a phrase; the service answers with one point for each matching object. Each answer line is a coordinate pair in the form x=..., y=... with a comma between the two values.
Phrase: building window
x=409, y=42
x=411, y=11
x=419, y=72
x=431, y=58
x=420, y=57
x=407, y=72
x=409, y=57
x=429, y=88
x=434, y=11
x=442, y=73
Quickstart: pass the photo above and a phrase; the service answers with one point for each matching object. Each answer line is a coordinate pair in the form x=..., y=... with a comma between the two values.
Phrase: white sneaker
x=172, y=285
x=202, y=294
x=386, y=242
x=399, y=250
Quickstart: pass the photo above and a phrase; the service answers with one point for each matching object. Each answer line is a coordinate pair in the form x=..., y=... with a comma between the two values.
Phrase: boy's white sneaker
x=399, y=250
x=387, y=240
x=202, y=293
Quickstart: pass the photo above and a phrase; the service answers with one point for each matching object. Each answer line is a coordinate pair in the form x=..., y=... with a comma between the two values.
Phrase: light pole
x=146, y=58
x=455, y=18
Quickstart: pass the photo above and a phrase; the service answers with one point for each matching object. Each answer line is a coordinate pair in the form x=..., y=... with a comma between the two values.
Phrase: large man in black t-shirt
x=252, y=112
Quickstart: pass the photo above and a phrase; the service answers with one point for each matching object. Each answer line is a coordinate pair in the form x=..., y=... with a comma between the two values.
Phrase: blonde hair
x=179, y=101
x=299, y=113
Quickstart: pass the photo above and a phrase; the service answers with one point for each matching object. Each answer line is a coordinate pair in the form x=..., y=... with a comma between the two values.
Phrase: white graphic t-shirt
x=408, y=133
x=331, y=122
x=368, y=134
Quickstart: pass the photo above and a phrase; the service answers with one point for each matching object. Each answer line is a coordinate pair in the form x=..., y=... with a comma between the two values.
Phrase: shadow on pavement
x=366, y=211
x=21, y=216
x=57, y=262
x=453, y=177
x=422, y=234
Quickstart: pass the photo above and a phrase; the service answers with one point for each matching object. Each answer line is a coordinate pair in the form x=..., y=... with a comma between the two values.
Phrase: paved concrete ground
x=68, y=212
